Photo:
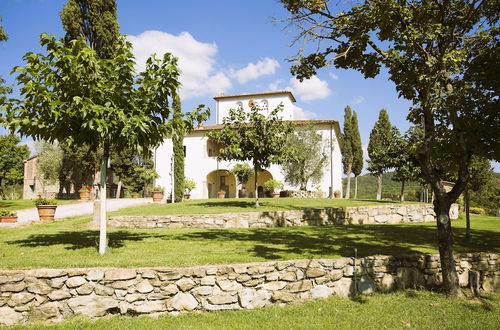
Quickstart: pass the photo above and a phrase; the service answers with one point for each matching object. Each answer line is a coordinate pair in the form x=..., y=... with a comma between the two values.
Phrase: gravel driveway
x=79, y=208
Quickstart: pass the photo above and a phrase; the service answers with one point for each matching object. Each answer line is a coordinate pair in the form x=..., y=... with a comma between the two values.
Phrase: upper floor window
x=264, y=106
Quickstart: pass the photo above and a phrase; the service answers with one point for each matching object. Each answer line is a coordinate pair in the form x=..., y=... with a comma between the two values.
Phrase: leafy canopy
x=12, y=156
x=306, y=157
x=382, y=147
x=70, y=95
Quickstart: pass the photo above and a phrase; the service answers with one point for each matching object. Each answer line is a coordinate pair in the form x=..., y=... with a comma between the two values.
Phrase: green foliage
x=243, y=172
x=79, y=165
x=158, y=189
x=135, y=169
x=367, y=187
x=251, y=136
x=3, y=89
x=272, y=185
x=7, y=213
x=406, y=163
x=72, y=96
x=306, y=157
x=12, y=157
x=348, y=150
x=357, y=165
x=48, y=163
x=95, y=21
x=178, y=144
x=477, y=210
x=382, y=147
x=45, y=201
x=189, y=184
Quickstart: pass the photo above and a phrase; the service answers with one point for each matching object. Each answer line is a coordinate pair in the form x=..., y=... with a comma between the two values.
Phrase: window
x=264, y=106
x=239, y=105
x=184, y=151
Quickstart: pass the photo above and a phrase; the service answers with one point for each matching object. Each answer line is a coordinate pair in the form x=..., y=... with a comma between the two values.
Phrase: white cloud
x=358, y=100
x=310, y=89
x=199, y=75
x=276, y=85
x=253, y=71
x=333, y=76
x=301, y=114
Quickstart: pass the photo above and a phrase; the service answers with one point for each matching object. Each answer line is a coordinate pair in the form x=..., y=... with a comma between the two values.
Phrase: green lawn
x=406, y=309
x=20, y=204
x=229, y=205
x=70, y=243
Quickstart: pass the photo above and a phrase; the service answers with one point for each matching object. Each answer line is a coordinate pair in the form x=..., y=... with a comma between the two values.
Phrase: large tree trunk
x=402, y=194
x=468, y=237
x=348, y=188
x=356, y=187
x=255, y=187
x=119, y=189
x=445, y=241
x=379, y=186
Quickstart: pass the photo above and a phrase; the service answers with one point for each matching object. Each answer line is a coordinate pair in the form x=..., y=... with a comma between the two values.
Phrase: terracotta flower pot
x=276, y=195
x=134, y=195
x=46, y=212
x=187, y=196
x=8, y=219
x=221, y=195
x=336, y=194
x=84, y=195
x=157, y=196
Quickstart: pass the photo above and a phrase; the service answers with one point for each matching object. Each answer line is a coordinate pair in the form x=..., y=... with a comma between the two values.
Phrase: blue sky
x=224, y=46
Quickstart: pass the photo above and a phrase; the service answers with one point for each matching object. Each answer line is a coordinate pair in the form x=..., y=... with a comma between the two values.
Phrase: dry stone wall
x=380, y=214
x=55, y=294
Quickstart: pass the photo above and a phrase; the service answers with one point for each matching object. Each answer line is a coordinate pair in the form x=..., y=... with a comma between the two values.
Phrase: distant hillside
x=367, y=187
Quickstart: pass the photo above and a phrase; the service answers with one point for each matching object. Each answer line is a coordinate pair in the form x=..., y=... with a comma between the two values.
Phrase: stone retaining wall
x=379, y=214
x=55, y=294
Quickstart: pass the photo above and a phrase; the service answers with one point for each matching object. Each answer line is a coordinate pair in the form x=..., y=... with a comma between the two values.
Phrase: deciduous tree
x=442, y=56
x=252, y=136
x=242, y=172
x=406, y=163
x=12, y=156
x=70, y=95
x=306, y=158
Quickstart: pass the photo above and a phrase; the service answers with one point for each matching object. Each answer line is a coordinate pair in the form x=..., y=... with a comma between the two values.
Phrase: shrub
x=7, y=213
x=477, y=210
x=272, y=185
x=189, y=185
x=158, y=189
x=44, y=201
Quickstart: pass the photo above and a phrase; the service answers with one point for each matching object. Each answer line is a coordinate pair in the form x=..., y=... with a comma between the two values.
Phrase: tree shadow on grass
x=74, y=240
x=318, y=242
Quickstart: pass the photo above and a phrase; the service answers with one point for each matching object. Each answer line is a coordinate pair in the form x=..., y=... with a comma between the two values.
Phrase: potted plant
x=134, y=194
x=242, y=172
x=271, y=185
x=336, y=193
x=157, y=194
x=85, y=192
x=221, y=194
x=189, y=185
x=46, y=208
x=7, y=216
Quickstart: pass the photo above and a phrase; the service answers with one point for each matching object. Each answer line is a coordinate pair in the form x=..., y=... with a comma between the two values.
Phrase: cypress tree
x=95, y=21
x=357, y=151
x=178, y=142
x=381, y=148
x=347, y=152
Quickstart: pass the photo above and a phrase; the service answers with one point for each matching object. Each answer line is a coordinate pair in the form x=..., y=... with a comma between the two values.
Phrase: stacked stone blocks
x=380, y=214
x=55, y=294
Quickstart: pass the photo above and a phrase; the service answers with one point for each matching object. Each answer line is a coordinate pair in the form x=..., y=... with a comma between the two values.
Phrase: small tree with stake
x=71, y=95
x=251, y=136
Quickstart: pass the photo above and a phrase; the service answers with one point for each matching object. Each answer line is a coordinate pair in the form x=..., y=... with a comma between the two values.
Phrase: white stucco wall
x=198, y=164
x=224, y=105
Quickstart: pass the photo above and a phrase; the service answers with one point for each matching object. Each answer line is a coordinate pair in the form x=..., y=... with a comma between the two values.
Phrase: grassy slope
x=70, y=243
x=408, y=309
x=213, y=206
x=367, y=187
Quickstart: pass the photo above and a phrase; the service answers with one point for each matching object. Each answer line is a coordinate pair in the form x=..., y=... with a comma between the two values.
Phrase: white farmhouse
x=211, y=175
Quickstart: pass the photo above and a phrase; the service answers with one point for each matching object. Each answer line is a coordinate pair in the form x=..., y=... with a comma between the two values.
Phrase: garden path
x=78, y=208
